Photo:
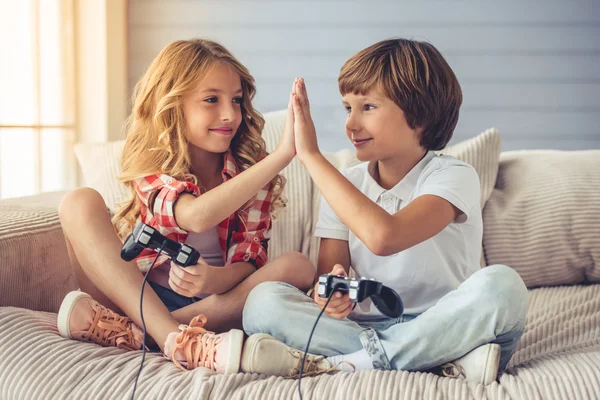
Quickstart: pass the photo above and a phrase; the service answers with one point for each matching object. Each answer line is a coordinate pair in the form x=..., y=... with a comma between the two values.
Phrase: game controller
x=146, y=237
x=385, y=299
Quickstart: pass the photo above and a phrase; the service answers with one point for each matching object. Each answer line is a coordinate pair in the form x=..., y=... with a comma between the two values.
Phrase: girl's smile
x=223, y=130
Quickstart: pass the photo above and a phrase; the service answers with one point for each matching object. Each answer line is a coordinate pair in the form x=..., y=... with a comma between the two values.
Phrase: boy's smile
x=222, y=130
x=360, y=142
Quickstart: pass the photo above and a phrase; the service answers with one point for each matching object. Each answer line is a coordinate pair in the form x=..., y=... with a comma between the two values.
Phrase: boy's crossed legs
x=475, y=314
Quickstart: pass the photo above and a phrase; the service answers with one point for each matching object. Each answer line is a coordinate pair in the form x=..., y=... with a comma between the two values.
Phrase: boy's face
x=377, y=128
x=213, y=111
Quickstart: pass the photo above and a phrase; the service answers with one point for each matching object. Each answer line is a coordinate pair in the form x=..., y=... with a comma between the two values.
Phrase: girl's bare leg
x=94, y=250
x=224, y=311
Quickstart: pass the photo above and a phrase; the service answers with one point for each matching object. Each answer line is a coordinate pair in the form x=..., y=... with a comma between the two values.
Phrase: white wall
x=528, y=68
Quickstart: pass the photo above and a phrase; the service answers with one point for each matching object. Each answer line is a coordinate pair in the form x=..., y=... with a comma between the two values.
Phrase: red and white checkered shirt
x=242, y=237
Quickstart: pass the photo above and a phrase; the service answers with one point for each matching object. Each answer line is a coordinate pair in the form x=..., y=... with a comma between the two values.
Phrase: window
x=37, y=105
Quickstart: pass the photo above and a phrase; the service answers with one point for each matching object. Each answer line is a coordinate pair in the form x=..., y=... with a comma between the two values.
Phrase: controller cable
x=142, y=318
x=308, y=344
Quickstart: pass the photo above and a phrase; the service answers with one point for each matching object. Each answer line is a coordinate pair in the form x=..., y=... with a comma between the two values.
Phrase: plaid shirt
x=242, y=237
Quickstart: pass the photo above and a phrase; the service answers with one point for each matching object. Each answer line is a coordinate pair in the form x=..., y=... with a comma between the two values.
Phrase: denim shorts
x=173, y=301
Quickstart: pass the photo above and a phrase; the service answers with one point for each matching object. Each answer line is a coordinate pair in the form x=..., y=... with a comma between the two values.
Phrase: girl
x=196, y=165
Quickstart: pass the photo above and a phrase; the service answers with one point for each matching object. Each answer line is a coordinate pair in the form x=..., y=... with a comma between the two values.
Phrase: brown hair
x=156, y=142
x=416, y=77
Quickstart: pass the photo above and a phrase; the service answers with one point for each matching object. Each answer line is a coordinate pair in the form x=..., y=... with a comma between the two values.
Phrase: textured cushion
x=35, y=271
x=543, y=218
x=292, y=228
x=100, y=164
x=481, y=151
x=558, y=358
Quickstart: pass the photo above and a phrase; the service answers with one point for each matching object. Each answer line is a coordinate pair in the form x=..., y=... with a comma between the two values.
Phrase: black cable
x=308, y=344
x=142, y=317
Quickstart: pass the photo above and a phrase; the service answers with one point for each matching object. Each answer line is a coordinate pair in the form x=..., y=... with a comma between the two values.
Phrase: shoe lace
x=453, y=370
x=111, y=329
x=312, y=366
x=197, y=345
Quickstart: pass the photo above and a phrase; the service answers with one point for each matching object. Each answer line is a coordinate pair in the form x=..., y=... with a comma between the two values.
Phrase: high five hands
x=305, y=136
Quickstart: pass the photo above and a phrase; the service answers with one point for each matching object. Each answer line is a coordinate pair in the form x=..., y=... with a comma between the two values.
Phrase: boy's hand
x=340, y=305
x=287, y=143
x=304, y=128
x=193, y=280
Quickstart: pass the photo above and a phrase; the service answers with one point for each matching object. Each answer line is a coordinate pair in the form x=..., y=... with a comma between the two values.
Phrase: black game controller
x=146, y=237
x=385, y=299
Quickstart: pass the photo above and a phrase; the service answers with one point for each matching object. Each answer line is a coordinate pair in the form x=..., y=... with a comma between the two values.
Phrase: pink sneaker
x=82, y=318
x=195, y=347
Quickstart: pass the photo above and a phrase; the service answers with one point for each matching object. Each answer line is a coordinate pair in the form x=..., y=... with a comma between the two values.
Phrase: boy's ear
x=418, y=133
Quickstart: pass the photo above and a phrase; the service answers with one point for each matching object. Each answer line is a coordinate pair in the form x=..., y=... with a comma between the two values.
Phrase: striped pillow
x=293, y=225
x=543, y=218
x=483, y=153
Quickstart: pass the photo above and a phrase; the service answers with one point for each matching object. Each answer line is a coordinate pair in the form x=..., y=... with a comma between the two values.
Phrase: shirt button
x=169, y=181
x=255, y=239
x=246, y=257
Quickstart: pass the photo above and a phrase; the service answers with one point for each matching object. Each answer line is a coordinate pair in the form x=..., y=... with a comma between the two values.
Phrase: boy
x=406, y=217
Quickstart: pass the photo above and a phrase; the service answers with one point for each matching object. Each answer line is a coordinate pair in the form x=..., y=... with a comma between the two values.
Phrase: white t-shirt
x=429, y=270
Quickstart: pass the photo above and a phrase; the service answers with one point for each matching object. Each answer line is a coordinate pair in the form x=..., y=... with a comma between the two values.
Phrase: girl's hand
x=304, y=128
x=340, y=305
x=287, y=144
x=193, y=280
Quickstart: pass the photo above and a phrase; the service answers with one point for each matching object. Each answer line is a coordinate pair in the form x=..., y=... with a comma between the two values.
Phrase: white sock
x=360, y=359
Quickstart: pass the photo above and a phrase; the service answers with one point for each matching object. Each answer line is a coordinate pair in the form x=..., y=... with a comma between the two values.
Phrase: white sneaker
x=479, y=365
x=264, y=354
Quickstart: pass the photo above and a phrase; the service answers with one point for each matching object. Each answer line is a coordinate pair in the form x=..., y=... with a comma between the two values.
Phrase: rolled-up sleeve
x=159, y=193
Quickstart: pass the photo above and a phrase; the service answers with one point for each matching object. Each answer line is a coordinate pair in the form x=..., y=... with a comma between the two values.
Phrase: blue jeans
x=489, y=307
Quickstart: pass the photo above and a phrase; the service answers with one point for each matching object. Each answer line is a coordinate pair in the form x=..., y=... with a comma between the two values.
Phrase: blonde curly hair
x=156, y=142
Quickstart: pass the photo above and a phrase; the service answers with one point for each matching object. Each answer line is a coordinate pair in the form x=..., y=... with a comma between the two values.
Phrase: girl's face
x=377, y=128
x=213, y=111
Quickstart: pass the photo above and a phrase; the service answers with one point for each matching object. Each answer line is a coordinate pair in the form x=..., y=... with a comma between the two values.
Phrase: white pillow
x=101, y=165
